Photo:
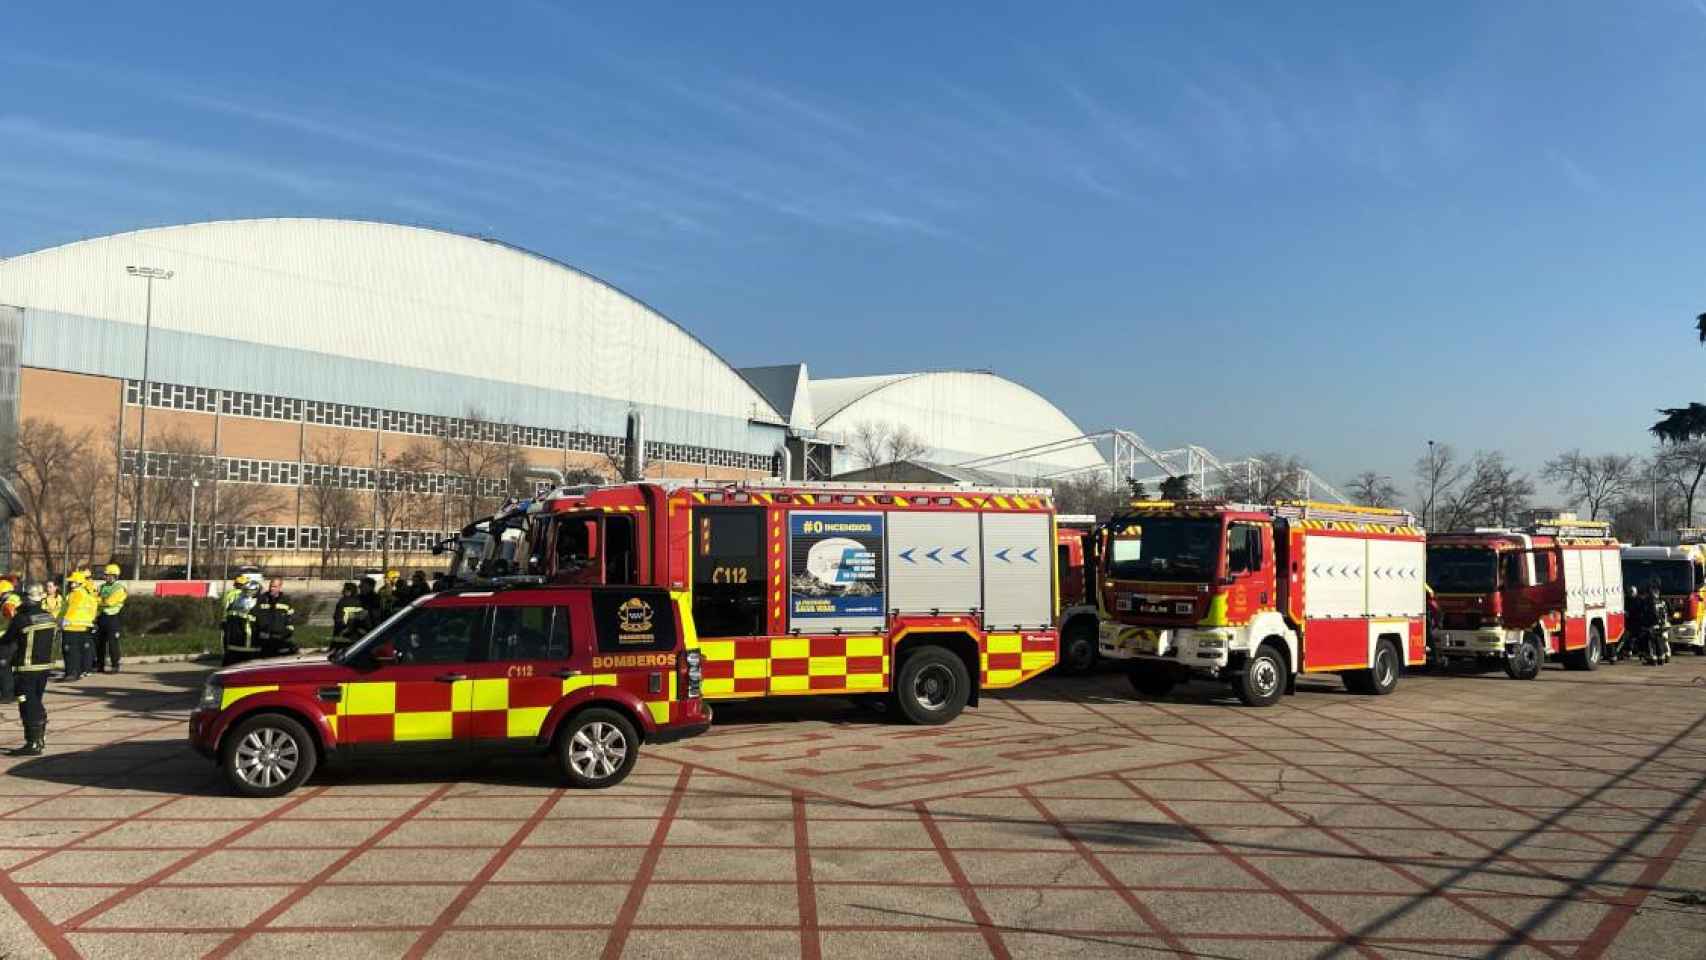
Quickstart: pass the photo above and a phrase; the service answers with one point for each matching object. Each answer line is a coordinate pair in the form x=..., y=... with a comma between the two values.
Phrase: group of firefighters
x=259, y=623
x=1646, y=618
x=83, y=620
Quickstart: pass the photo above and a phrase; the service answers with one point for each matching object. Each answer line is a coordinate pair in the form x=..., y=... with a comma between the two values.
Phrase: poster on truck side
x=835, y=572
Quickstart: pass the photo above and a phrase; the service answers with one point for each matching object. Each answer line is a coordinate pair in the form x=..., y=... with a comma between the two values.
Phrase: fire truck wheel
x=933, y=686
x=597, y=748
x=1153, y=681
x=1380, y=679
x=267, y=755
x=1263, y=681
x=1588, y=657
x=1078, y=647
x=1529, y=657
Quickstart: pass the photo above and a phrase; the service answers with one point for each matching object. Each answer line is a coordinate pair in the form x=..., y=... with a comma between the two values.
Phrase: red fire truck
x=1075, y=561
x=1254, y=595
x=918, y=597
x=1551, y=589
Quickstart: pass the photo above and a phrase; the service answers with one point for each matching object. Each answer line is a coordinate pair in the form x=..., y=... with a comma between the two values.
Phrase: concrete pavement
x=1462, y=816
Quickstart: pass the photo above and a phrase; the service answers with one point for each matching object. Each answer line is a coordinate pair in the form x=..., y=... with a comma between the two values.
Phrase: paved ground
x=1462, y=816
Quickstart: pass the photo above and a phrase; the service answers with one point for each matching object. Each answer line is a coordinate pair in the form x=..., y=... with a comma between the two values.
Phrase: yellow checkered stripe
x=1350, y=526
x=486, y=695
x=231, y=695
x=904, y=501
x=794, y=665
x=1007, y=661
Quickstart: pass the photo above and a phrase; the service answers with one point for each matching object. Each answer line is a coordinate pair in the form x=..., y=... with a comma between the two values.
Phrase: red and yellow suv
x=584, y=673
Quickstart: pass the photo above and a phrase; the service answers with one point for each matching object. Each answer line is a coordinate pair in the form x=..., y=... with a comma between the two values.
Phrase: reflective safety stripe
x=233, y=694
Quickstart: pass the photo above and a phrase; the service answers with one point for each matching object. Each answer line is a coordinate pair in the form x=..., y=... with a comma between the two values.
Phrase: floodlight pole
x=140, y=522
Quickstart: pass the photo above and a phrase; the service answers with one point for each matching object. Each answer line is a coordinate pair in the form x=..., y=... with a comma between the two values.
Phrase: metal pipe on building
x=138, y=533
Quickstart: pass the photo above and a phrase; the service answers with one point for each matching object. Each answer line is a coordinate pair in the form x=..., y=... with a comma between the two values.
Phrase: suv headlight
x=212, y=691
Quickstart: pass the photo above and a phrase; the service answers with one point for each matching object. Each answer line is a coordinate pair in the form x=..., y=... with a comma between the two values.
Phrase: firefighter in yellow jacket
x=238, y=630
x=82, y=607
x=112, y=596
x=10, y=602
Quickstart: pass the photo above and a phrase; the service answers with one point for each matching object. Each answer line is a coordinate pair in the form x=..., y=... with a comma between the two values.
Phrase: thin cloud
x=177, y=158
x=1576, y=175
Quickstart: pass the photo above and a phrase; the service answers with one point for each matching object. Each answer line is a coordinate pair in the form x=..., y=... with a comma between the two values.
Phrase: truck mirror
x=384, y=653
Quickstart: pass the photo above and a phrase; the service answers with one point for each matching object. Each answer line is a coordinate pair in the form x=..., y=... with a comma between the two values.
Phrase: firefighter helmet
x=111, y=569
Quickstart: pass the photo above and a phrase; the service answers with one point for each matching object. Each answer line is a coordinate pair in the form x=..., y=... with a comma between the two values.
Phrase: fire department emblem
x=634, y=616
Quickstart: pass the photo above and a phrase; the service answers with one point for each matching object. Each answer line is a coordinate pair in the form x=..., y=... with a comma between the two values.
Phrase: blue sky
x=1335, y=229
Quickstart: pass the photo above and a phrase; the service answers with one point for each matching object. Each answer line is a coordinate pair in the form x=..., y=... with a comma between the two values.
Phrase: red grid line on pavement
x=448, y=915
x=1267, y=882
x=1516, y=747
x=131, y=890
x=1513, y=934
x=38, y=922
x=1503, y=851
x=625, y=917
x=247, y=931
x=1618, y=917
x=1144, y=913
x=805, y=892
x=974, y=905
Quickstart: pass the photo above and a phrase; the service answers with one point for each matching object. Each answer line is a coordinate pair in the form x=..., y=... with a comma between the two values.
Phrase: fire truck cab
x=1256, y=594
x=1551, y=589
x=911, y=597
x=1676, y=562
x=1075, y=560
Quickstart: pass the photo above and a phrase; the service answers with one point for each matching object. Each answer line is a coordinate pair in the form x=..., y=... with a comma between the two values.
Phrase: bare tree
x=1494, y=493
x=870, y=444
x=1266, y=478
x=1438, y=475
x=402, y=495
x=1592, y=480
x=225, y=508
x=902, y=445
x=1091, y=494
x=1373, y=490
x=1683, y=464
x=46, y=457
x=334, y=506
x=478, y=457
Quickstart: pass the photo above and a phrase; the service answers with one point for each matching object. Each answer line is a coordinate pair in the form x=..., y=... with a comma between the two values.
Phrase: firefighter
x=349, y=619
x=82, y=606
x=418, y=586
x=440, y=582
x=30, y=637
x=1660, y=616
x=372, y=602
x=8, y=611
x=238, y=630
x=273, y=626
x=389, y=598
x=112, y=596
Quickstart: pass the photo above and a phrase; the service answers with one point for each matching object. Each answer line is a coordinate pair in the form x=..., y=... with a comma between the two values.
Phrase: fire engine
x=910, y=596
x=1256, y=594
x=1551, y=589
x=1075, y=559
x=1676, y=561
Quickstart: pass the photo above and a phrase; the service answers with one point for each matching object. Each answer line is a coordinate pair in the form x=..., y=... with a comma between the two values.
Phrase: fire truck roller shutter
x=1612, y=563
x=935, y=562
x=1334, y=577
x=1395, y=578
x=1018, y=571
x=1574, y=594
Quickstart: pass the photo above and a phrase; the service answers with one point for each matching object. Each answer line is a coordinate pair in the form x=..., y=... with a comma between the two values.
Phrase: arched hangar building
x=302, y=354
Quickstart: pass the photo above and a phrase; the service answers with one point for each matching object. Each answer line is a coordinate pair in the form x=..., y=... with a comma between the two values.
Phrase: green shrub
x=146, y=615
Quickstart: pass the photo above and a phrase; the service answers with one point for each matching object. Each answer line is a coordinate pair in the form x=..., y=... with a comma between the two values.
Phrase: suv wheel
x=932, y=686
x=597, y=748
x=267, y=755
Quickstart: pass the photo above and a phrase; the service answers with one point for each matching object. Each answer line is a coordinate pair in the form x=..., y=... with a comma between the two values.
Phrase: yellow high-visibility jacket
x=81, y=605
x=112, y=598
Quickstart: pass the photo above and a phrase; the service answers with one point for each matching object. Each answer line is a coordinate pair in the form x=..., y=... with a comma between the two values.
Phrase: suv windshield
x=1674, y=576
x=1462, y=570
x=1164, y=548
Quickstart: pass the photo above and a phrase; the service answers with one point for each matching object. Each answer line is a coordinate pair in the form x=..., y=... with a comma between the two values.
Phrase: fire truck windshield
x=1675, y=577
x=1168, y=548
x=1463, y=570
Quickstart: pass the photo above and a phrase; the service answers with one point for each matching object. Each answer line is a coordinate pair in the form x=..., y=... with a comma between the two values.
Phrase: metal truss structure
x=1131, y=459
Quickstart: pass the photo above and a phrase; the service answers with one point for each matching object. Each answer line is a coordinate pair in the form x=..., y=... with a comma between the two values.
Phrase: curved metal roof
x=407, y=295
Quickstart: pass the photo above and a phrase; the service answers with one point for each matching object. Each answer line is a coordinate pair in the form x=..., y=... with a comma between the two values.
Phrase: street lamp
x=189, y=563
x=148, y=275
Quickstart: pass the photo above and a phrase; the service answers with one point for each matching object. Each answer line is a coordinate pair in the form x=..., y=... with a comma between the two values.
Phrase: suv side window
x=530, y=633
x=440, y=635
